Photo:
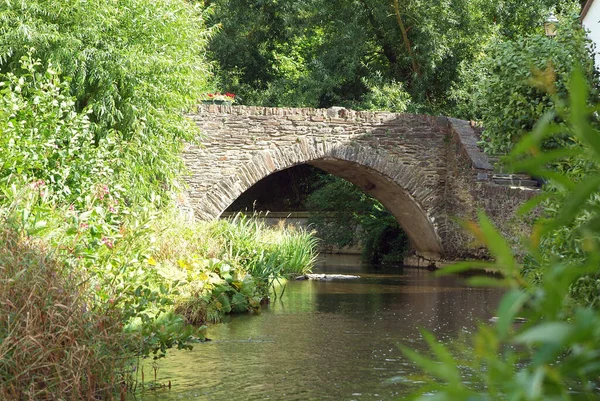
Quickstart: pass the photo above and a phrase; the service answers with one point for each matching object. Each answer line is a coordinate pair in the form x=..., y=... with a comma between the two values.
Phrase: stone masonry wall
x=405, y=161
x=232, y=135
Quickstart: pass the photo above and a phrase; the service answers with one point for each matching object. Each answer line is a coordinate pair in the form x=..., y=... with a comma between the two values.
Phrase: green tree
x=134, y=66
x=320, y=53
x=510, y=90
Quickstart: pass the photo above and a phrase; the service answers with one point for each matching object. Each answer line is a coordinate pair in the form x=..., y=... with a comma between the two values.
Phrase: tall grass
x=229, y=265
x=258, y=248
x=53, y=345
x=268, y=251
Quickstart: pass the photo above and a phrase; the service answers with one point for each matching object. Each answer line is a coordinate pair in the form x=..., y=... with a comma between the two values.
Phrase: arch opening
x=408, y=212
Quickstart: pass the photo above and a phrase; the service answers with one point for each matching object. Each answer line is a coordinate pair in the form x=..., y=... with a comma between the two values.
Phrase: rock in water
x=327, y=277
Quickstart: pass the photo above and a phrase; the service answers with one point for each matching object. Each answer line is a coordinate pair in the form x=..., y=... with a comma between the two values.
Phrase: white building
x=590, y=19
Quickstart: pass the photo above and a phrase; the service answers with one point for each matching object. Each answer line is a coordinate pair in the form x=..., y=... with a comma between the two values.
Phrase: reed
x=268, y=251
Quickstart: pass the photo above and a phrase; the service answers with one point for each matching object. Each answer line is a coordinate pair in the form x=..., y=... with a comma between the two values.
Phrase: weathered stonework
x=423, y=169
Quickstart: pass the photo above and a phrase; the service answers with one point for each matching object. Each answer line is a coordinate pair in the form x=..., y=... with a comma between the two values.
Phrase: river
x=334, y=340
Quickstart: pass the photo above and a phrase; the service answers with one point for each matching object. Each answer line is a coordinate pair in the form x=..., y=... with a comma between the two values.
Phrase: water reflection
x=327, y=340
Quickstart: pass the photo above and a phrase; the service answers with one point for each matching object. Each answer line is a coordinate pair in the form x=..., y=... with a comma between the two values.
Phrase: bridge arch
x=399, y=186
x=427, y=171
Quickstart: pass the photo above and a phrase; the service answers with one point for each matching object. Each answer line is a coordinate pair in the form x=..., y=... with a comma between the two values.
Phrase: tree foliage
x=510, y=94
x=319, y=53
x=133, y=66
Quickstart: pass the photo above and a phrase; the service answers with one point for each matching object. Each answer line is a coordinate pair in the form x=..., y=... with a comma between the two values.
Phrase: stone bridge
x=427, y=171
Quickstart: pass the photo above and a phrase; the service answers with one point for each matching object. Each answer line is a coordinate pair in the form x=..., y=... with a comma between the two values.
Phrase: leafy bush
x=133, y=66
x=505, y=99
x=226, y=267
x=44, y=141
x=555, y=353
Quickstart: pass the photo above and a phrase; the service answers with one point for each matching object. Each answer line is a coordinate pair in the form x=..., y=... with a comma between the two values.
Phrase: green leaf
x=541, y=131
x=532, y=164
x=574, y=204
x=239, y=303
x=550, y=333
x=497, y=245
x=532, y=203
x=482, y=281
x=460, y=267
x=579, y=112
x=509, y=307
x=442, y=371
x=535, y=384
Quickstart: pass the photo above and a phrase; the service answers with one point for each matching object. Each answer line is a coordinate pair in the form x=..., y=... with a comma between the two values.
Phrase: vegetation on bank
x=95, y=269
x=82, y=299
x=554, y=353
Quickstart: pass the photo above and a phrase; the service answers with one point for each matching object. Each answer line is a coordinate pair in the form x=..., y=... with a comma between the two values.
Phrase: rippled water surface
x=332, y=340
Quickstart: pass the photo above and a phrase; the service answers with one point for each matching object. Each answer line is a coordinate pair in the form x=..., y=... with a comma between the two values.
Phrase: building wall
x=591, y=21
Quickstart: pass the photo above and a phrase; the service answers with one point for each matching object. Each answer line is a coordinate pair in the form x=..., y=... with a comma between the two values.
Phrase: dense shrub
x=226, y=267
x=510, y=92
x=45, y=141
x=133, y=66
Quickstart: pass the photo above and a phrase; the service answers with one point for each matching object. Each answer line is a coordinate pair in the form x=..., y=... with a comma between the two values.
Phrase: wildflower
x=107, y=242
x=37, y=184
x=83, y=226
x=103, y=191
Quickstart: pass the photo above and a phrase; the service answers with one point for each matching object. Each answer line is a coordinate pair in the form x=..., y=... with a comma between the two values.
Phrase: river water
x=334, y=340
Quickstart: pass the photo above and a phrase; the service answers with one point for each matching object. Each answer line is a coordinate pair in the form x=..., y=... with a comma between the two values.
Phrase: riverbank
x=93, y=290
